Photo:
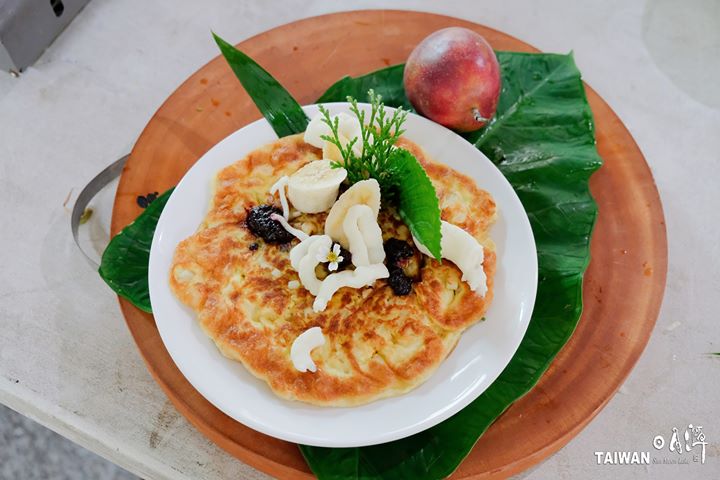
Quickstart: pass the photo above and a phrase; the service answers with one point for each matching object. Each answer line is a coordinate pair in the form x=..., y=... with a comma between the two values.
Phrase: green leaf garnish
x=124, y=264
x=417, y=201
x=276, y=104
x=402, y=179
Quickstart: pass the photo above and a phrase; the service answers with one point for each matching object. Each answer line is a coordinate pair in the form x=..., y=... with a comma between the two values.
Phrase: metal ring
x=88, y=193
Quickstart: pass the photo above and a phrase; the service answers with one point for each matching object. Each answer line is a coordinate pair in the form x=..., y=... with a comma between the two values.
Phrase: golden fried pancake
x=249, y=301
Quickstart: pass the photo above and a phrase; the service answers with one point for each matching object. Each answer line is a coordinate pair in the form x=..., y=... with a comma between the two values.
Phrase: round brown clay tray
x=623, y=286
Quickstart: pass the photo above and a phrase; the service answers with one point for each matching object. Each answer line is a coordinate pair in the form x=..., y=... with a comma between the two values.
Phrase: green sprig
x=378, y=133
x=403, y=181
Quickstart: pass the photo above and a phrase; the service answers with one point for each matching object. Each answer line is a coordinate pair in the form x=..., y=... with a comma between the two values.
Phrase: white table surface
x=66, y=357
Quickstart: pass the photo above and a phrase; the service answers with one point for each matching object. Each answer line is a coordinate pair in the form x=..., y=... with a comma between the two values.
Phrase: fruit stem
x=477, y=116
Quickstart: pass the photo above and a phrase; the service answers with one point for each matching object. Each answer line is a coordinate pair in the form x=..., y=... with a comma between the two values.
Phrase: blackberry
x=259, y=222
x=346, y=261
x=400, y=283
x=396, y=250
x=401, y=255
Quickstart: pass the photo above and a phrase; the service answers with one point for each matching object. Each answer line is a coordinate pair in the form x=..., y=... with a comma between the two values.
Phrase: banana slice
x=364, y=192
x=463, y=250
x=364, y=236
x=314, y=187
x=315, y=131
x=348, y=128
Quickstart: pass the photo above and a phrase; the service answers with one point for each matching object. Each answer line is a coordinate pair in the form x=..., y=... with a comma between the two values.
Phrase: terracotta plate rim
x=289, y=464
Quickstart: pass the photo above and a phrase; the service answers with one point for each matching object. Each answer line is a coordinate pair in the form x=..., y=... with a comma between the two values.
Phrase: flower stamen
x=332, y=257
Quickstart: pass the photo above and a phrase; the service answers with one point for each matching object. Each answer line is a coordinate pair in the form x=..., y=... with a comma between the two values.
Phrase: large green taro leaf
x=124, y=264
x=542, y=139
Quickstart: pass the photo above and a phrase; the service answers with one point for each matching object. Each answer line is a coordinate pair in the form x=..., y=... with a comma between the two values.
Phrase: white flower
x=332, y=257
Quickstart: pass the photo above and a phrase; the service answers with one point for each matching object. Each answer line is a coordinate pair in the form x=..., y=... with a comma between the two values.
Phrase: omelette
x=379, y=344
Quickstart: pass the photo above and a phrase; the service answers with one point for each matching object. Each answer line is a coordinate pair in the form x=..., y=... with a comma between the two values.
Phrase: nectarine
x=453, y=78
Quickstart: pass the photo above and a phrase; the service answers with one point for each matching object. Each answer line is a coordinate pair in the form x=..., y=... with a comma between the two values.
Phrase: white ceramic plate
x=481, y=354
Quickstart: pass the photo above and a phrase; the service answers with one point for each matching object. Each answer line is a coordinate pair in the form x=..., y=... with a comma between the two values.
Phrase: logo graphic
x=693, y=437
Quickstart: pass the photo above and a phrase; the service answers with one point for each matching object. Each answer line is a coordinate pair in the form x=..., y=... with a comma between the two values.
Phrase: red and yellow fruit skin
x=453, y=78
